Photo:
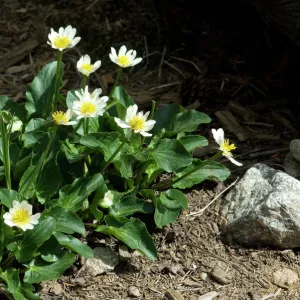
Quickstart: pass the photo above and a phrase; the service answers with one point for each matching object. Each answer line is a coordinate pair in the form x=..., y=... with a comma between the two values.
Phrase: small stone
x=80, y=281
x=133, y=291
x=291, y=165
x=203, y=276
x=175, y=269
x=220, y=275
x=285, y=277
x=208, y=296
x=104, y=260
x=295, y=149
x=124, y=253
x=56, y=289
x=173, y=295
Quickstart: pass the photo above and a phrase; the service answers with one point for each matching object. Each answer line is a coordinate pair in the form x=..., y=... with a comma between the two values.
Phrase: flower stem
x=59, y=60
x=170, y=181
x=5, y=152
x=83, y=82
x=86, y=126
x=116, y=83
x=113, y=156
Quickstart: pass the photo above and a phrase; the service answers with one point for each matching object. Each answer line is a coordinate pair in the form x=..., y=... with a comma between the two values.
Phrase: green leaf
x=124, y=101
x=188, y=121
x=39, y=270
x=33, y=239
x=39, y=96
x=11, y=277
x=67, y=221
x=106, y=142
x=124, y=164
x=164, y=115
x=71, y=97
x=211, y=170
x=166, y=210
x=170, y=155
x=74, y=245
x=178, y=196
x=14, y=108
x=8, y=196
x=28, y=181
x=72, y=196
x=191, y=142
x=132, y=232
x=51, y=250
x=49, y=181
x=21, y=166
x=71, y=152
x=129, y=205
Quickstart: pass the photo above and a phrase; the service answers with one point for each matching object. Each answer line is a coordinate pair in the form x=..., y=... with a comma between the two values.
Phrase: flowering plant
x=89, y=160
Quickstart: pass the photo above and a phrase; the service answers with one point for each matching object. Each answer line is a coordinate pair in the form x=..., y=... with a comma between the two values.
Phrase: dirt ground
x=222, y=59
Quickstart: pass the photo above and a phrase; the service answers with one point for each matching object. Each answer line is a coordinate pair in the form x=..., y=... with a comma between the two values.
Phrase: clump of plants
x=86, y=160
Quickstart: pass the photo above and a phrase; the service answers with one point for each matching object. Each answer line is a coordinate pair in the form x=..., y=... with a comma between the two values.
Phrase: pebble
x=285, y=277
x=133, y=291
x=173, y=295
x=124, y=254
x=208, y=296
x=295, y=149
x=220, y=276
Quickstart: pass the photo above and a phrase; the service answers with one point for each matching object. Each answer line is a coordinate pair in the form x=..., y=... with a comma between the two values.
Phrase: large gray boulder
x=263, y=209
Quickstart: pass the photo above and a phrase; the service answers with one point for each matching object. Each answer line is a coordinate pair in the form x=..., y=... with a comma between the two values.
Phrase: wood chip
x=18, y=53
x=246, y=113
x=173, y=295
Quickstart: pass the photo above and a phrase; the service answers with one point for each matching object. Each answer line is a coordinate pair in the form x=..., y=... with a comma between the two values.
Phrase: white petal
x=233, y=160
x=61, y=31
x=121, y=123
x=86, y=59
x=9, y=222
x=136, y=61
x=74, y=42
x=16, y=204
x=69, y=113
x=113, y=52
x=218, y=135
x=71, y=123
x=27, y=206
x=25, y=227
x=149, y=125
x=104, y=99
x=131, y=112
x=34, y=219
x=96, y=93
x=113, y=59
x=7, y=216
x=122, y=50
x=96, y=65
x=143, y=133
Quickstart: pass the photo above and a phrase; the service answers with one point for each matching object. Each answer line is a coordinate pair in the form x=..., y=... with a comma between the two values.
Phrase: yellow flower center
x=123, y=61
x=87, y=67
x=61, y=42
x=21, y=217
x=60, y=118
x=226, y=147
x=88, y=108
x=137, y=123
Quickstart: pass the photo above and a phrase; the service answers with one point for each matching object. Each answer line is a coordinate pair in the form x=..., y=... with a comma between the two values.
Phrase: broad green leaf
x=74, y=245
x=132, y=232
x=166, y=210
x=124, y=101
x=71, y=97
x=49, y=181
x=39, y=96
x=37, y=124
x=28, y=291
x=39, y=270
x=188, y=121
x=191, y=142
x=33, y=239
x=11, y=277
x=124, y=164
x=170, y=155
x=8, y=196
x=21, y=166
x=67, y=221
x=164, y=115
x=72, y=196
x=72, y=153
x=210, y=170
x=129, y=205
x=178, y=196
x=51, y=250
x=14, y=108
x=28, y=181
x=105, y=142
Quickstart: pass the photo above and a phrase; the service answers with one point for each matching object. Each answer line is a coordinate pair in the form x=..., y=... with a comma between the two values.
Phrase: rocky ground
x=228, y=67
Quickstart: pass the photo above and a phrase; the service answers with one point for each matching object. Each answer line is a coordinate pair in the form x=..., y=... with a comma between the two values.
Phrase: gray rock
x=124, y=254
x=295, y=149
x=133, y=291
x=104, y=260
x=220, y=275
x=291, y=165
x=285, y=277
x=263, y=209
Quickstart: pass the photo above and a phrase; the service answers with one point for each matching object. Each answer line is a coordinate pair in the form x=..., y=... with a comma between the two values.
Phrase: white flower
x=136, y=121
x=63, y=118
x=64, y=38
x=124, y=59
x=20, y=215
x=225, y=147
x=89, y=105
x=16, y=126
x=85, y=67
x=107, y=201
